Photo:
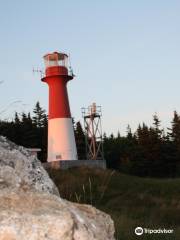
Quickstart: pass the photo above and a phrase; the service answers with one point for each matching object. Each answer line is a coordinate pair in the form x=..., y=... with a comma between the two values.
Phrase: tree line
x=148, y=152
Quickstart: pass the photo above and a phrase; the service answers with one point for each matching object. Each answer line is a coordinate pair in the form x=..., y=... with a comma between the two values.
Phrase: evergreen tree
x=129, y=132
x=39, y=118
x=16, y=119
x=174, y=133
x=18, y=129
x=174, y=137
x=118, y=135
x=156, y=123
x=28, y=131
x=80, y=141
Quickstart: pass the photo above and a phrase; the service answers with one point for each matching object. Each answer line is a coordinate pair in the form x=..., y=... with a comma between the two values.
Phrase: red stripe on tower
x=61, y=140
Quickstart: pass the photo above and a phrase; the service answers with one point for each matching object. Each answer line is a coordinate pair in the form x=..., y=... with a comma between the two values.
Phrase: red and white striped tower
x=61, y=140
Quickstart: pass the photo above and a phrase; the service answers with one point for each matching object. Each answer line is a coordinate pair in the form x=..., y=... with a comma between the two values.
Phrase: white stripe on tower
x=61, y=141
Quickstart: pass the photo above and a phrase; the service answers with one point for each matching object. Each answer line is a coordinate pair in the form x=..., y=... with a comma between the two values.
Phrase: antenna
x=41, y=72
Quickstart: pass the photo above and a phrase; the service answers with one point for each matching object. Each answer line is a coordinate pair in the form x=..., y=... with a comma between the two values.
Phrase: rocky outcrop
x=37, y=216
x=18, y=167
x=29, y=210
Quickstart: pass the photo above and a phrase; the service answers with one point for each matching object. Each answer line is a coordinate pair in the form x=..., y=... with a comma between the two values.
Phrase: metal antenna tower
x=93, y=132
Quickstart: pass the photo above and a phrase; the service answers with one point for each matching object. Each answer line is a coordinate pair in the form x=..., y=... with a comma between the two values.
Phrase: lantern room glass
x=56, y=59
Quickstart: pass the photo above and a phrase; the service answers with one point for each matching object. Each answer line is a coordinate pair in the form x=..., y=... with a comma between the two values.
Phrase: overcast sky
x=125, y=54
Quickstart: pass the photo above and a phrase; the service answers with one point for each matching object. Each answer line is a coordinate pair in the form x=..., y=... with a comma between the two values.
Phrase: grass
x=131, y=201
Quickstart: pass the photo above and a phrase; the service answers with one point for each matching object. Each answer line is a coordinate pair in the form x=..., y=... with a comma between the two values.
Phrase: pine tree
x=174, y=143
x=16, y=119
x=129, y=132
x=17, y=129
x=28, y=131
x=156, y=123
x=80, y=141
x=118, y=135
x=174, y=133
x=39, y=118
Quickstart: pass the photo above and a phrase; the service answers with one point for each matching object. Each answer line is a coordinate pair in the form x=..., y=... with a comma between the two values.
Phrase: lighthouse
x=61, y=140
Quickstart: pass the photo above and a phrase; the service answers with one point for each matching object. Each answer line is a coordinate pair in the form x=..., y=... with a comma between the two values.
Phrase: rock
x=42, y=216
x=18, y=167
x=30, y=207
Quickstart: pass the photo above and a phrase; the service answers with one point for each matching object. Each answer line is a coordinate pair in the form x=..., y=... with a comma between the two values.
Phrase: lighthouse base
x=64, y=164
x=61, y=140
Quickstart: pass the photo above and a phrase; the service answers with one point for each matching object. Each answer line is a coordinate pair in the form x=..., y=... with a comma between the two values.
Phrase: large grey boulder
x=42, y=216
x=18, y=167
x=29, y=209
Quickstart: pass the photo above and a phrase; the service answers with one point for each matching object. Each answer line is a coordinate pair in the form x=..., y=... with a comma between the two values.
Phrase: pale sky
x=125, y=55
